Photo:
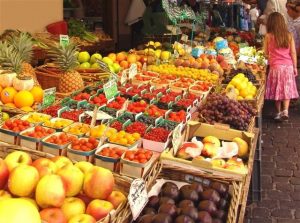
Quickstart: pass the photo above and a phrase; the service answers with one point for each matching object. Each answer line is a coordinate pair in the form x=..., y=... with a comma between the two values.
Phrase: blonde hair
x=276, y=25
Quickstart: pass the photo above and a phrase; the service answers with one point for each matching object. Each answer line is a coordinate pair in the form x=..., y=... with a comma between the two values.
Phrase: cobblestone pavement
x=280, y=163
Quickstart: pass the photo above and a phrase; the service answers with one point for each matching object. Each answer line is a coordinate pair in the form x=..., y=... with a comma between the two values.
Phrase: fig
x=153, y=202
x=148, y=210
x=169, y=209
x=161, y=218
x=146, y=218
x=216, y=220
x=204, y=217
x=186, y=203
x=219, y=214
x=166, y=200
x=184, y=219
x=211, y=195
x=220, y=187
x=222, y=204
x=188, y=193
x=197, y=187
x=208, y=206
x=190, y=211
x=170, y=189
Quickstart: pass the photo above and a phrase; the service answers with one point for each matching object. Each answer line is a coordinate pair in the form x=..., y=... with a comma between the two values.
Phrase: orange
x=121, y=56
x=37, y=93
x=112, y=56
x=27, y=109
x=124, y=64
x=1, y=89
x=10, y=105
x=131, y=58
x=8, y=94
x=23, y=98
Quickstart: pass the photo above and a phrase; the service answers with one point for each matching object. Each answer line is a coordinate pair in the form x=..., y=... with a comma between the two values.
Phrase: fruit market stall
x=171, y=130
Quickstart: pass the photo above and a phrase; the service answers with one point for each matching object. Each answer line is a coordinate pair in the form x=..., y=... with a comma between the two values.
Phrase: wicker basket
x=121, y=183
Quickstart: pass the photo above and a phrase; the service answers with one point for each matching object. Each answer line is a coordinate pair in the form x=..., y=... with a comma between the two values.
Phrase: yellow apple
x=4, y=195
x=212, y=139
x=16, y=158
x=99, y=209
x=61, y=161
x=165, y=55
x=44, y=166
x=16, y=210
x=82, y=218
x=72, y=178
x=50, y=191
x=84, y=166
x=98, y=183
x=72, y=206
x=243, y=147
x=31, y=201
x=23, y=180
x=116, y=198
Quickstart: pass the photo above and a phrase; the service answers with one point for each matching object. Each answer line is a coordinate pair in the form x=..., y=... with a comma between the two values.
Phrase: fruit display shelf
x=235, y=169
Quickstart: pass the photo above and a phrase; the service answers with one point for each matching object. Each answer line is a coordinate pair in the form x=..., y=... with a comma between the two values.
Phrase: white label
x=123, y=79
x=184, y=37
x=132, y=71
x=138, y=197
x=176, y=140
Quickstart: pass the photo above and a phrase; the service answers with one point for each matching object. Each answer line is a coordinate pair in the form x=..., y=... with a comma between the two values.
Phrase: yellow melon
x=23, y=99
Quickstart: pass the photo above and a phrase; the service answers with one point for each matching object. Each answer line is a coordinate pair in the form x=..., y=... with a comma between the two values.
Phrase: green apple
x=107, y=60
x=85, y=65
x=95, y=65
x=83, y=57
x=5, y=116
x=116, y=67
x=111, y=68
x=94, y=58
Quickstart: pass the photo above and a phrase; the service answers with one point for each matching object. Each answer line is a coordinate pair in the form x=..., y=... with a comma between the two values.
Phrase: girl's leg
x=278, y=109
x=285, y=111
x=286, y=104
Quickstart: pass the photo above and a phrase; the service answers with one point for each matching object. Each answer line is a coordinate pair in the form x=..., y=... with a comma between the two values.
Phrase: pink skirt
x=281, y=83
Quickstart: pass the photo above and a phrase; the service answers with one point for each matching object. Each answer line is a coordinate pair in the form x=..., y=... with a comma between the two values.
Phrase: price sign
x=64, y=40
x=123, y=79
x=176, y=140
x=184, y=37
x=48, y=97
x=132, y=71
x=110, y=89
x=138, y=197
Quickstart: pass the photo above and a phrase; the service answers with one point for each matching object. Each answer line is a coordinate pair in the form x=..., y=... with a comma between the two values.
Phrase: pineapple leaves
x=10, y=59
x=64, y=56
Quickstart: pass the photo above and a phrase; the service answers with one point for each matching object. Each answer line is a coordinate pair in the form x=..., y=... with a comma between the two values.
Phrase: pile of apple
x=55, y=190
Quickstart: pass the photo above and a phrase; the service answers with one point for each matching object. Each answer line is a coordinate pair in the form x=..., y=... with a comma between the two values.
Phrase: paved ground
x=280, y=171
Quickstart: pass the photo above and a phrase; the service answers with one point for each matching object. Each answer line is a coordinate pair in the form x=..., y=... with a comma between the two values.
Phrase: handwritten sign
x=123, y=78
x=176, y=137
x=110, y=89
x=138, y=197
x=64, y=40
x=48, y=97
x=184, y=37
x=132, y=70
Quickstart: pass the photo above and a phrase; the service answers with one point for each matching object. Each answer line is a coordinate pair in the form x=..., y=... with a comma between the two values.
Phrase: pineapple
x=11, y=61
x=64, y=57
x=22, y=43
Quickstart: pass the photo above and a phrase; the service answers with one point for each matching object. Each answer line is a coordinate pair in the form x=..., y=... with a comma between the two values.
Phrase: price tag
x=132, y=70
x=138, y=197
x=123, y=79
x=64, y=40
x=176, y=140
x=110, y=89
x=184, y=37
x=48, y=97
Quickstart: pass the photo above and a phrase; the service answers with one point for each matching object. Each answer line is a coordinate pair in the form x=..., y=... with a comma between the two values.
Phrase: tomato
x=143, y=161
x=114, y=156
x=141, y=156
x=38, y=128
x=92, y=140
x=119, y=152
x=129, y=155
x=84, y=148
x=89, y=145
x=50, y=131
x=105, y=153
x=76, y=147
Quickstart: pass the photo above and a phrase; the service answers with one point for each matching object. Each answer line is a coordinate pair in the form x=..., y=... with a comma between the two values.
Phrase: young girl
x=279, y=46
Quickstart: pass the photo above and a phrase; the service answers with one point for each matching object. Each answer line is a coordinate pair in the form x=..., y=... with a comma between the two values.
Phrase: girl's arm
x=266, y=45
x=293, y=54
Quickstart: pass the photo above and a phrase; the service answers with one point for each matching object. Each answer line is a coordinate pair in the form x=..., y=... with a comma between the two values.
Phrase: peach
x=50, y=191
x=99, y=209
x=98, y=183
x=72, y=178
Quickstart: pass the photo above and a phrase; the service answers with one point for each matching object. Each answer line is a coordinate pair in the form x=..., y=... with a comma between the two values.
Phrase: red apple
x=99, y=209
x=16, y=158
x=188, y=150
x=4, y=172
x=98, y=183
x=53, y=215
x=44, y=166
x=116, y=198
x=82, y=218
